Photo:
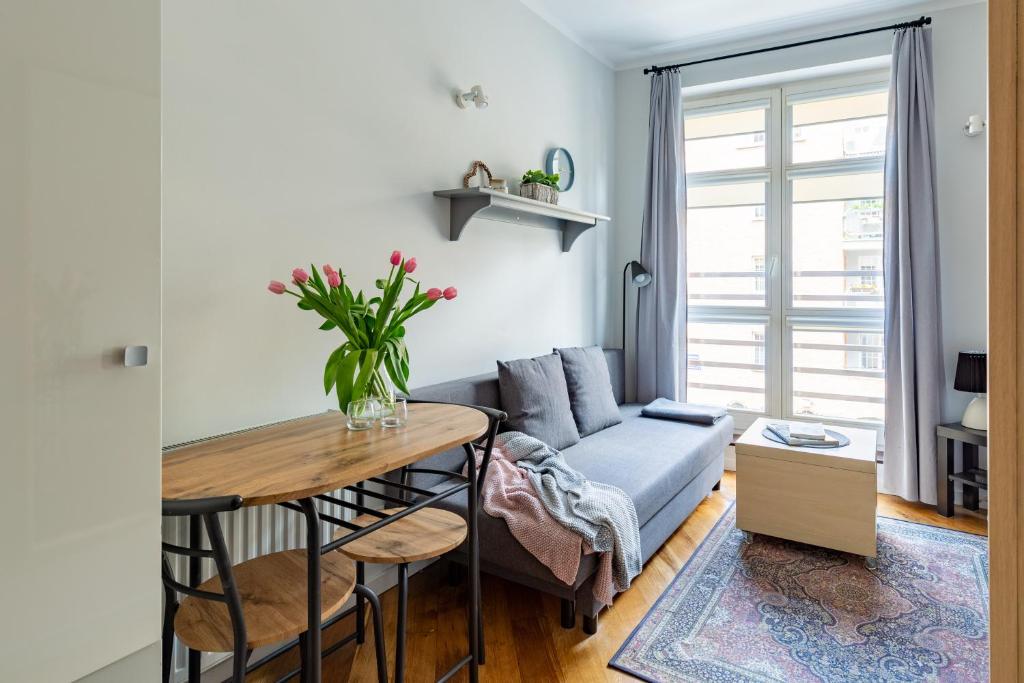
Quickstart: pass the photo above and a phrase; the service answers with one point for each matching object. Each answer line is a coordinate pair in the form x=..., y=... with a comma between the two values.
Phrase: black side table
x=972, y=478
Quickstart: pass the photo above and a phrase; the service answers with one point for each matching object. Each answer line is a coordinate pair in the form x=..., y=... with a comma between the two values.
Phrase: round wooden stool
x=273, y=595
x=425, y=534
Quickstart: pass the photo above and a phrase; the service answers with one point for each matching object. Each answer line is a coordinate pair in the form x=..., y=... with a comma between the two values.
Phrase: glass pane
x=725, y=365
x=731, y=214
x=837, y=241
x=725, y=141
x=839, y=128
x=839, y=373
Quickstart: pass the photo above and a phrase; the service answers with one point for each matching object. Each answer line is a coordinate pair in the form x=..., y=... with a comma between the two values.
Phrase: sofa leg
x=717, y=486
x=568, y=613
x=590, y=624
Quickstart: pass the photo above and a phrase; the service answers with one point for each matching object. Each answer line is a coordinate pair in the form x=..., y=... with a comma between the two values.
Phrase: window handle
x=771, y=265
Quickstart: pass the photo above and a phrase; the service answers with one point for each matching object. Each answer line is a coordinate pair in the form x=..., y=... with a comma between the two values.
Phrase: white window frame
x=778, y=312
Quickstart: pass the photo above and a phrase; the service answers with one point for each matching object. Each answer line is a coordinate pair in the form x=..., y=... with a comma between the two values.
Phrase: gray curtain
x=661, y=348
x=914, y=377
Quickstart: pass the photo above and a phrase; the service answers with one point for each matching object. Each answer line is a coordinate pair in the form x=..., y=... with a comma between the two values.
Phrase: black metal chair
x=256, y=603
x=424, y=534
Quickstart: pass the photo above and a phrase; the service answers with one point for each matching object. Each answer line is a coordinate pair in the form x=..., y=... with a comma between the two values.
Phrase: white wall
x=317, y=131
x=960, y=47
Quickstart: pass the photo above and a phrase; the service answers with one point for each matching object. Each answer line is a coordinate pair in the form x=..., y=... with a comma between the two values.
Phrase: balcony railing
x=695, y=365
x=839, y=397
x=873, y=272
x=724, y=342
x=842, y=372
x=796, y=273
x=726, y=387
x=727, y=273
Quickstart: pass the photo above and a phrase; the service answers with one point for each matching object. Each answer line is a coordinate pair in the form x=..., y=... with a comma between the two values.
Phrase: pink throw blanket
x=508, y=494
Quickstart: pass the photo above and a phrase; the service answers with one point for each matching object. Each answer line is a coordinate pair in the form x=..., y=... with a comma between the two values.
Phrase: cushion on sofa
x=535, y=396
x=650, y=460
x=590, y=389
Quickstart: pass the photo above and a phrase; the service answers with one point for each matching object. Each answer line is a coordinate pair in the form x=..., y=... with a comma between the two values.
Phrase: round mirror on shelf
x=560, y=161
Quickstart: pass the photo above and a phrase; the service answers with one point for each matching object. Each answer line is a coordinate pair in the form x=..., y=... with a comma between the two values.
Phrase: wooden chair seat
x=424, y=534
x=273, y=592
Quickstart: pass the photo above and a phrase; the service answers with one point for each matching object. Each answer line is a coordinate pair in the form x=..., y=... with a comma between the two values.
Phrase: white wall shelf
x=478, y=202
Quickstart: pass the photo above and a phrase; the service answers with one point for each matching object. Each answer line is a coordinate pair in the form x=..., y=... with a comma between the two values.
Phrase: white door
x=79, y=281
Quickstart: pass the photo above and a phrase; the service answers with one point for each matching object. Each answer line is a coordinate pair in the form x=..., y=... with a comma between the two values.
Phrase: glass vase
x=382, y=391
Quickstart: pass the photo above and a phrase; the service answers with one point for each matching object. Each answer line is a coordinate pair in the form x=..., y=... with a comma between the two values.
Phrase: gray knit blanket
x=602, y=515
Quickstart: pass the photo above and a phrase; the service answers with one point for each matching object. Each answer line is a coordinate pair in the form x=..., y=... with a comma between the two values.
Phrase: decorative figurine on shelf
x=374, y=327
x=474, y=172
x=971, y=375
x=540, y=186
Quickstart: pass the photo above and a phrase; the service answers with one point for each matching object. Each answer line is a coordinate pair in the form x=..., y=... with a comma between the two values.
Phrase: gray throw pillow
x=534, y=395
x=591, y=398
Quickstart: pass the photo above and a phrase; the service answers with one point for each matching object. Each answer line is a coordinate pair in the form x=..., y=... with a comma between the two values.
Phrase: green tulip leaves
x=374, y=330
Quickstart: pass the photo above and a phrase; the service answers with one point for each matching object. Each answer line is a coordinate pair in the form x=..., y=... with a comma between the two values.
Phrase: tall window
x=784, y=250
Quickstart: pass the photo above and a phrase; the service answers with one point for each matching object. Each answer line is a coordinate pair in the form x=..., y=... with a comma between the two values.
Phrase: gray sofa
x=665, y=467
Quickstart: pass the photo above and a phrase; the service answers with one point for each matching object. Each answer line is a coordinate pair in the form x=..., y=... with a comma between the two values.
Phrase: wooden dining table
x=293, y=463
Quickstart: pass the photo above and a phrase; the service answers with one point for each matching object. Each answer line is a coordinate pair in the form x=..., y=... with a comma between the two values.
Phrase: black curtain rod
x=917, y=23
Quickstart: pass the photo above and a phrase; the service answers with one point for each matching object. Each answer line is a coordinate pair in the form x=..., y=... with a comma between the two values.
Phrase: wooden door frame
x=1005, y=336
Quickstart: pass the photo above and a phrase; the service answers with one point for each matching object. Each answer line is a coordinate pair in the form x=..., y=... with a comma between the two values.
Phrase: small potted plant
x=540, y=186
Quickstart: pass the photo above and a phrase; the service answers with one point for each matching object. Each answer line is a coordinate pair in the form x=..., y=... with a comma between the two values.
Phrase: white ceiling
x=627, y=32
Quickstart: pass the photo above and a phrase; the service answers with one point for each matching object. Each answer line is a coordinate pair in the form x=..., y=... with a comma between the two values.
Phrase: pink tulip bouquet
x=374, y=328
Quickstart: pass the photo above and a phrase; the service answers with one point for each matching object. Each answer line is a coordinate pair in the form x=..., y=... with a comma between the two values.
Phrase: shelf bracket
x=462, y=211
x=572, y=231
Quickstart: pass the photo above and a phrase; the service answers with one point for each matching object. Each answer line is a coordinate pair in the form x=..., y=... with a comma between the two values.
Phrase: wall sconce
x=475, y=95
x=975, y=125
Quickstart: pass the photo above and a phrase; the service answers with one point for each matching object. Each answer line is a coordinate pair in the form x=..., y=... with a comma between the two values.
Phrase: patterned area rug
x=773, y=610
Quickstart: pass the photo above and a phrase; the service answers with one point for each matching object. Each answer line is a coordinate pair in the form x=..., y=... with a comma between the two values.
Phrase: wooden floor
x=525, y=642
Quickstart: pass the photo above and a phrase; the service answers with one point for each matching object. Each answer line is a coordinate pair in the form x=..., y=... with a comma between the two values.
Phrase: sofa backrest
x=482, y=390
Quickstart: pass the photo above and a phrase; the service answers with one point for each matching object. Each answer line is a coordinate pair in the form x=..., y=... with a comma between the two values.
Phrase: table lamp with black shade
x=971, y=374
x=640, y=277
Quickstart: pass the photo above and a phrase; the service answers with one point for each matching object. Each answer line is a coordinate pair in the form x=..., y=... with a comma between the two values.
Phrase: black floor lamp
x=640, y=277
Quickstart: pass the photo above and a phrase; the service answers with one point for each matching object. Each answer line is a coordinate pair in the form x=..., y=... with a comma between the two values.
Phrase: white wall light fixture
x=975, y=125
x=475, y=95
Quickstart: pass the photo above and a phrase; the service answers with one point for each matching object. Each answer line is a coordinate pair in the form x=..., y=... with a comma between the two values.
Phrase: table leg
x=970, y=453
x=360, y=579
x=944, y=486
x=313, y=590
x=474, y=570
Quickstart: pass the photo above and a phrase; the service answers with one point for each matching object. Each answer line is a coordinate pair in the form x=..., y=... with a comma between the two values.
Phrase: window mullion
x=777, y=140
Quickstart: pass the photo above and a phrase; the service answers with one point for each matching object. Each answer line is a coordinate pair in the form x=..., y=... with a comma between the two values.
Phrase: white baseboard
x=142, y=665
